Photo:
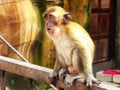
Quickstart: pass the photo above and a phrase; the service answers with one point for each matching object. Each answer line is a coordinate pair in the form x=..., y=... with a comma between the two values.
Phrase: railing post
x=31, y=85
x=2, y=80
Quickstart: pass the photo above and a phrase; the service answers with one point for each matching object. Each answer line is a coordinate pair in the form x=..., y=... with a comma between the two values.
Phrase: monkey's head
x=54, y=18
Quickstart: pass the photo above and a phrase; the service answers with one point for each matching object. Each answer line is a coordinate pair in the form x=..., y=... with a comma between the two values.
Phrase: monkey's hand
x=54, y=78
x=91, y=80
x=69, y=79
x=62, y=73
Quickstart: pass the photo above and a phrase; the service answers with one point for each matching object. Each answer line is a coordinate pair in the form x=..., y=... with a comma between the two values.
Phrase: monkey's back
x=80, y=36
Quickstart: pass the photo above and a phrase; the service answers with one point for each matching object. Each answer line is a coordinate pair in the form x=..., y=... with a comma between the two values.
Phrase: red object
x=111, y=72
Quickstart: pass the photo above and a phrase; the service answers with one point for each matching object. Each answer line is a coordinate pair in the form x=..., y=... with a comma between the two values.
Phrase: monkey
x=73, y=44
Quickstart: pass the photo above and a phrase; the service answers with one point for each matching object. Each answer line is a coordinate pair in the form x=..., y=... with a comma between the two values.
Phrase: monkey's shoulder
x=73, y=25
x=78, y=34
x=75, y=29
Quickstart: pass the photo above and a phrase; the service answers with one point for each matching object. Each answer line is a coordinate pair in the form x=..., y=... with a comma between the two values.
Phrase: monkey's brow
x=51, y=10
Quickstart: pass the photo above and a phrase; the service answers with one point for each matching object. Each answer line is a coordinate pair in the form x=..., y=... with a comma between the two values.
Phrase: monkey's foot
x=69, y=80
x=91, y=80
x=62, y=73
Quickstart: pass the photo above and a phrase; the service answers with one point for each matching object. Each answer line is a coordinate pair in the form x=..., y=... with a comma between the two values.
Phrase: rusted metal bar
x=31, y=85
x=13, y=49
x=2, y=80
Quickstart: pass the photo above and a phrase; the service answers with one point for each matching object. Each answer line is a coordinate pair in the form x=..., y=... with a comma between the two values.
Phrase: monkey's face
x=51, y=24
x=54, y=17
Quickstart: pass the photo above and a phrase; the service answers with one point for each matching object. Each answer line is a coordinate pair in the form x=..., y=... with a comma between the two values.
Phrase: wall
x=118, y=34
x=18, y=25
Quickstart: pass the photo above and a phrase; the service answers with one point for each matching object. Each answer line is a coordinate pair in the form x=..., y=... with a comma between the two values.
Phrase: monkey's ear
x=67, y=17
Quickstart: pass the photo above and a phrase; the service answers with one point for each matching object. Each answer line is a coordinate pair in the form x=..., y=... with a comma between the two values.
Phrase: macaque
x=74, y=46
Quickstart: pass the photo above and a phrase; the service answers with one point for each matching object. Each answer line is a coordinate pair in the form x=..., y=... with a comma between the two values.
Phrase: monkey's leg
x=64, y=74
x=82, y=64
x=76, y=65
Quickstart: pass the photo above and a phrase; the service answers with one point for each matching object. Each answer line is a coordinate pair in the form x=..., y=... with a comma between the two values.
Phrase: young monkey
x=74, y=47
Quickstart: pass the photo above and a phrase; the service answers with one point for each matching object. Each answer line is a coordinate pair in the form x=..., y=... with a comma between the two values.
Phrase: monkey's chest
x=65, y=50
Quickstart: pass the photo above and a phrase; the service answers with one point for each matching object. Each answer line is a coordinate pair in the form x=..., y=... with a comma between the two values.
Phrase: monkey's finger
x=89, y=83
x=97, y=82
x=68, y=84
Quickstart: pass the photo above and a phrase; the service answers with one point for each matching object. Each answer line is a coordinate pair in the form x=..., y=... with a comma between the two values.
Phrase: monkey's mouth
x=48, y=29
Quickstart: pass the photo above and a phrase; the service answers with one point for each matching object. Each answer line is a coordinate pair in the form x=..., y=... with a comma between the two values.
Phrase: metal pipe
x=12, y=48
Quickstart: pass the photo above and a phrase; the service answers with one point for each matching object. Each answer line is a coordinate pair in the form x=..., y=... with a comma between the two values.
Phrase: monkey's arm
x=87, y=65
x=82, y=62
x=55, y=75
x=59, y=70
x=57, y=67
x=59, y=64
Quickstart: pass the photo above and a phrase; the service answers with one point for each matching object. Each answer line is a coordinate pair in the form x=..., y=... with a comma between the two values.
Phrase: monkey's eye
x=51, y=17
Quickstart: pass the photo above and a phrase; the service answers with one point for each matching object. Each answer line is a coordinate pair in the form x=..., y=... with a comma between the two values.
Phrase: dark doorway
x=102, y=28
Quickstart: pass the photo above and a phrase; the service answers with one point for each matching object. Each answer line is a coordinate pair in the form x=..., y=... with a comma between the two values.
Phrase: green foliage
x=40, y=86
x=15, y=82
x=40, y=7
x=87, y=12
